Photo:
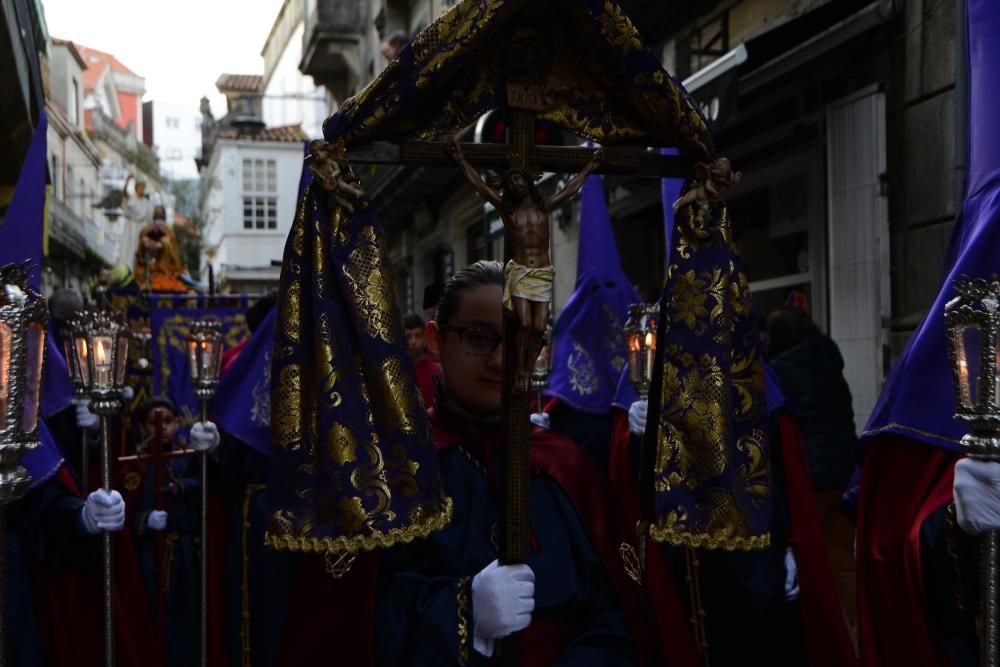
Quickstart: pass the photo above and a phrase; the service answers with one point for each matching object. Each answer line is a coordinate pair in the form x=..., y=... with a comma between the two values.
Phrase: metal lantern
x=101, y=350
x=23, y=318
x=973, y=327
x=640, y=341
x=100, y=340
x=72, y=359
x=204, y=351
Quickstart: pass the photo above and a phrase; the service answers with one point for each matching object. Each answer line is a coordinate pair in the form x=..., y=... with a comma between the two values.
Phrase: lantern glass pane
x=207, y=361
x=217, y=360
x=34, y=351
x=5, y=340
x=121, y=360
x=193, y=351
x=102, y=362
x=970, y=362
x=82, y=360
x=634, y=343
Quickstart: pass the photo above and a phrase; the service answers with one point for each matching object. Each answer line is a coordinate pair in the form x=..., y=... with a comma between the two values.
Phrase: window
x=174, y=154
x=173, y=122
x=73, y=105
x=260, y=188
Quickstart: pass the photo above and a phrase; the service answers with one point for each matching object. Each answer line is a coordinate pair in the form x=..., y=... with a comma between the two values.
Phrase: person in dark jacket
x=811, y=373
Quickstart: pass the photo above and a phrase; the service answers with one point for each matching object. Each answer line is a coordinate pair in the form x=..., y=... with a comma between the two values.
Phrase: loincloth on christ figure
x=531, y=283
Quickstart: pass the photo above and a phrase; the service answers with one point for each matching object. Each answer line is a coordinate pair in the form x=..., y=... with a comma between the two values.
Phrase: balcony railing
x=77, y=233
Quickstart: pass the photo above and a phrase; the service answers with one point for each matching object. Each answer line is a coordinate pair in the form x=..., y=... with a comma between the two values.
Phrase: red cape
x=824, y=627
x=903, y=482
x=69, y=609
x=673, y=626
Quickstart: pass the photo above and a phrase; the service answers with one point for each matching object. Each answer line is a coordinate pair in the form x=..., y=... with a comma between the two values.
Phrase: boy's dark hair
x=483, y=272
x=259, y=310
x=412, y=321
x=150, y=404
x=399, y=39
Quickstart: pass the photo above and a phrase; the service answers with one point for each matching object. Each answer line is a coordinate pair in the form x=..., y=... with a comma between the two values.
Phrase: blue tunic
x=421, y=585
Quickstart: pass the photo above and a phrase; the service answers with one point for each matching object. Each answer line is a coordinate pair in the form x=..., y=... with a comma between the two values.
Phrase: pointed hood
x=589, y=349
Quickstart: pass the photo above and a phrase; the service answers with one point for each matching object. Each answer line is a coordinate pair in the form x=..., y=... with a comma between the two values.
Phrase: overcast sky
x=180, y=46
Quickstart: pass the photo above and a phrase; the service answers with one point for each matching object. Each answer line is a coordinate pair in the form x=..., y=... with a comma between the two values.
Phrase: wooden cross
x=523, y=103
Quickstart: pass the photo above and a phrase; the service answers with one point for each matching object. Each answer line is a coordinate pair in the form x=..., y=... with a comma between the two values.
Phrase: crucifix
x=526, y=227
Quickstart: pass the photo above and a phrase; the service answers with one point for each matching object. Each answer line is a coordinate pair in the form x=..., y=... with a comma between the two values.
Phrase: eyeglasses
x=476, y=341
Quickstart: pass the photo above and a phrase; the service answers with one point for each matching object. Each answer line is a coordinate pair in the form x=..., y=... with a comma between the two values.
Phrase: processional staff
x=973, y=323
x=101, y=342
x=204, y=347
x=23, y=316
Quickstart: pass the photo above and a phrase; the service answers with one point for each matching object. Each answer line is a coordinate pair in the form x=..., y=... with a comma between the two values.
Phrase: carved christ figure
x=529, y=273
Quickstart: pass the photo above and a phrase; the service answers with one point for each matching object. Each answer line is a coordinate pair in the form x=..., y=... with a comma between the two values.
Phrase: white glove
x=84, y=417
x=127, y=394
x=791, y=576
x=541, y=419
x=157, y=520
x=637, y=417
x=977, y=495
x=204, y=437
x=103, y=510
x=503, y=597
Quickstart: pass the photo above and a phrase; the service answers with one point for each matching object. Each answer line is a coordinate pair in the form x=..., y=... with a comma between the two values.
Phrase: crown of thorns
x=496, y=181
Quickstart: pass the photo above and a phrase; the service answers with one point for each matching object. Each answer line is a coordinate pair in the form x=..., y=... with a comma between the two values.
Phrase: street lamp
x=101, y=342
x=204, y=349
x=23, y=316
x=973, y=328
x=640, y=341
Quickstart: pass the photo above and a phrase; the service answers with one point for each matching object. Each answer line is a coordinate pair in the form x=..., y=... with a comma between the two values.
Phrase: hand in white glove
x=84, y=417
x=637, y=417
x=791, y=576
x=503, y=597
x=977, y=495
x=127, y=394
x=204, y=437
x=157, y=520
x=541, y=419
x=103, y=510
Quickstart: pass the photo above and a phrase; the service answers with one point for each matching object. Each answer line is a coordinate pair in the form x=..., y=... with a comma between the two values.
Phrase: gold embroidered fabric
x=464, y=620
x=712, y=484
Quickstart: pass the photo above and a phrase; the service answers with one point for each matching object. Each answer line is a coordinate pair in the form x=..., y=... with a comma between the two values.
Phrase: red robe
x=70, y=609
x=903, y=482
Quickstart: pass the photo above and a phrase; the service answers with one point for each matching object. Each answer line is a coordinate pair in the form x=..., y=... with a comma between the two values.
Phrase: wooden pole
x=109, y=565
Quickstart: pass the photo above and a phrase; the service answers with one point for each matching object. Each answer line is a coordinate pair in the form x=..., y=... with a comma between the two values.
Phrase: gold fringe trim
x=342, y=544
x=245, y=603
x=683, y=538
x=462, y=606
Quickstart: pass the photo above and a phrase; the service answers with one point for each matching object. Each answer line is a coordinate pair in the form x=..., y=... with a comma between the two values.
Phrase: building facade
x=289, y=96
x=249, y=192
x=175, y=135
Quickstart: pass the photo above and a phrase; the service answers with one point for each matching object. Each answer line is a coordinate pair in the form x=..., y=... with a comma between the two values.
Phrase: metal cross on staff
x=529, y=274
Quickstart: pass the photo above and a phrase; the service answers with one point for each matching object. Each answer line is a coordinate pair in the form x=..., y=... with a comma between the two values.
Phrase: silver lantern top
x=972, y=320
x=100, y=338
x=204, y=350
x=640, y=342
x=23, y=318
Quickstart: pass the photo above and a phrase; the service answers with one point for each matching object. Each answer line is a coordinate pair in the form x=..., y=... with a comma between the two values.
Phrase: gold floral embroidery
x=132, y=481
x=368, y=276
x=342, y=448
x=618, y=24
x=630, y=561
x=286, y=427
x=582, y=374
x=462, y=608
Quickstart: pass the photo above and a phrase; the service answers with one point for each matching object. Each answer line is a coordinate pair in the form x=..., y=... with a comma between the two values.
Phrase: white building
x=176, y=138
x=291, y=97
x=250, y=187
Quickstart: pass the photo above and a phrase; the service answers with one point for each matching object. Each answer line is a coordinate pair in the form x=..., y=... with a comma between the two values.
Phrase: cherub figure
x=529, y=274
x=325, y=164
x=714, y=180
